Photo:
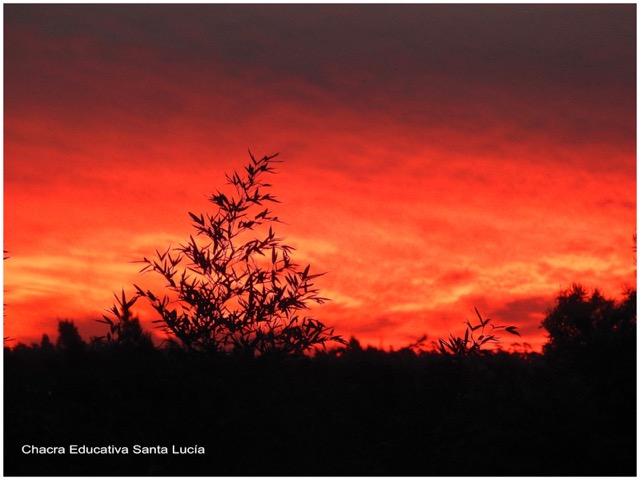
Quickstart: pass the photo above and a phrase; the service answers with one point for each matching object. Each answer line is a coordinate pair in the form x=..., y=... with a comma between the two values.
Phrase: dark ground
x=368, y=413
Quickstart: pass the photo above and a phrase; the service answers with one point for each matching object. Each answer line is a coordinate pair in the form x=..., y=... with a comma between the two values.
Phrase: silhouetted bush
x=124, y=327
x=236, y=288
x=45, y=343
x=69, y=339
x=586, y=325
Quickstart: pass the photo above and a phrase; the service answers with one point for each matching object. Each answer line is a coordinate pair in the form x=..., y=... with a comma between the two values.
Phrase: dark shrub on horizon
x=69, y=339
x=589, y=329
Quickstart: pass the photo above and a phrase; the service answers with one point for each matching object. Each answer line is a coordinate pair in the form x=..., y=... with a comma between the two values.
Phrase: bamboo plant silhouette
x=470, y=344
x=239, y=290
x=124, y=327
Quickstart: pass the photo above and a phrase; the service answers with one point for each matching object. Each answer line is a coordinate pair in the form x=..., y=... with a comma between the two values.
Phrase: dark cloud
x=526, y=312
x=376, y=325
x=456, y=277
x=565, y=71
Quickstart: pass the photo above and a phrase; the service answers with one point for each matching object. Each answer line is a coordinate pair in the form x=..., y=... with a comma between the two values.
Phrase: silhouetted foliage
x=235, y=287
x=124, y=327
x=69, y=339
x=587, y=323
x=475, y=338
x=45, y=343
x=418, y=346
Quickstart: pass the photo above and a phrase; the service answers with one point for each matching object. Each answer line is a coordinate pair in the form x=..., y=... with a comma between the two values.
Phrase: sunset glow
x=435, y=158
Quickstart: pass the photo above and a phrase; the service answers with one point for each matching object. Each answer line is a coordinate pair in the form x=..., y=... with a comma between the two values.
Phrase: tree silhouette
x=583, y=322
x=234, y=287
x=124, y=327
x=45, y=343
x=69, y=339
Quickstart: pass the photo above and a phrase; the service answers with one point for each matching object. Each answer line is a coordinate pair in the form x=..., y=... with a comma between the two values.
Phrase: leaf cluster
x=124, y=327
x=475, y=339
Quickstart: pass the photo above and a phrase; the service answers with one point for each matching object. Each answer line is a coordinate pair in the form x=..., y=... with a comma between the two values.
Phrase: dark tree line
x=583, y=328
x=349, y=410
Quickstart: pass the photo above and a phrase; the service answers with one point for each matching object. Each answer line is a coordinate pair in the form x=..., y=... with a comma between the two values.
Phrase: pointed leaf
x=513, y=330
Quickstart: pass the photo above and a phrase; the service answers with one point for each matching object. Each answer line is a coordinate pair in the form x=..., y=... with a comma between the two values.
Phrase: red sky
x=436, y=158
